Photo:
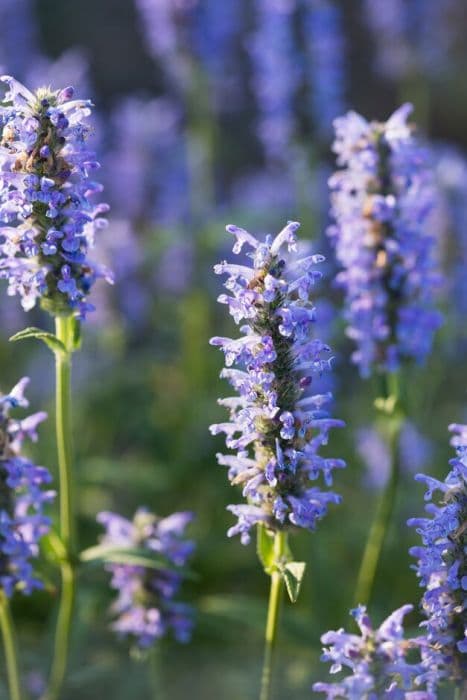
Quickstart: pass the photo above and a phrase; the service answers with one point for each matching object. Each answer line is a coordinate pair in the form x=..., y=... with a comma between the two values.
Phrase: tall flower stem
x=272, y=623
x=64, y=331
x=9, y=645
x=379, y=529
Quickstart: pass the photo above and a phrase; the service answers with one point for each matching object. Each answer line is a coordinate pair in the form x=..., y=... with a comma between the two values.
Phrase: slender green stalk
x=155, y=673
x=272, y=623
x=64, y=332
x=9, y=645
x=382, y=519
x=460, y=691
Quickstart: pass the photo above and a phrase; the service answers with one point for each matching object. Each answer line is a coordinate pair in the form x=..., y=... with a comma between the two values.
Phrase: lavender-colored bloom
x=389, y=23
x=22, y=496
x=19, y=29
x=326, y=66
x=49, y=221
x=277, y=425
x=216, y=27
x=442, y=569
x=165, y=28
x=449, y=224
x=413, y=37
x=275, y=75
x=377, y=660
x=148, y=132
x=415, y=451
x=380, y=200
x=145, y=608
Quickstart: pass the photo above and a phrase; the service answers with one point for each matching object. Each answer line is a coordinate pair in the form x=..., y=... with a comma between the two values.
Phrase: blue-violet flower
x=45, y=189
x=145, y=608
x=377, y=660
x=442, y=568
x=380, y=200
x=277, y=426
x=22, y=498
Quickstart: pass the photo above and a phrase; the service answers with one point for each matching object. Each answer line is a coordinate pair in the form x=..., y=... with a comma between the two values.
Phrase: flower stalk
x=65, y=333
x=389, y=404
x=9, y=645
x=272, y=622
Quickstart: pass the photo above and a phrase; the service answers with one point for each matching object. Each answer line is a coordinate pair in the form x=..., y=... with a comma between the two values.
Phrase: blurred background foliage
x=210, y=112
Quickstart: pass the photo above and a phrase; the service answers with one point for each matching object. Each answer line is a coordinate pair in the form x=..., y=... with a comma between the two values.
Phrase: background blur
x=211, y=112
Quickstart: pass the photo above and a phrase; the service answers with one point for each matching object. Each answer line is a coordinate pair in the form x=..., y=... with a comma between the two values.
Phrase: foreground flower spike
x=377, y=660
x=22, y=497
x=380, y=201
x=442, y=569
x=145, y=608
x=45, y=190
x=277, y=426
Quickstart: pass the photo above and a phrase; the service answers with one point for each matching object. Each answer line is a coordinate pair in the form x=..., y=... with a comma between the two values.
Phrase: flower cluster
x=442, y=569
x=380, y=200
x=45, y=189
x=277, y=426
x=275, y=75
x=22, y=498
x=377, y=659
x=145, y=608
x=326, y=48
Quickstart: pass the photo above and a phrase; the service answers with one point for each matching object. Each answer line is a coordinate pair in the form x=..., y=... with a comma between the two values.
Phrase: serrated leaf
x=265, y=548
x=131, y=556
x=49, y=339
x=293, y=573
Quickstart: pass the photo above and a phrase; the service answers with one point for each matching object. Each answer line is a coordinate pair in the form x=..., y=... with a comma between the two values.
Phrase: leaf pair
x=291, y=571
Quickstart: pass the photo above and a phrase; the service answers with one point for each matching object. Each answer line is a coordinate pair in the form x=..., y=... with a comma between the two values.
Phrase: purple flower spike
x=380, y=201
x=376, y=659
x=277, y=425
x=145, y=609
x=22, y=497
x=47, y=220
x=442, y=568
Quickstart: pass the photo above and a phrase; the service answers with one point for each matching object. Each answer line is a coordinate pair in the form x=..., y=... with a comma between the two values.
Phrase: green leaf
x=293, y=573
x=132, y=556
x=49, y=339
x=76, y=337
x=53, y=548
x=265, y=548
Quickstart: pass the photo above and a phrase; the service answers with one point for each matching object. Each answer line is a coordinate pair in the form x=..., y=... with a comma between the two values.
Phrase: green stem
x=9, y=645
x=64, y=331
x=155, y=673
x=272, y=623
x=382, y=519
x=460, y=691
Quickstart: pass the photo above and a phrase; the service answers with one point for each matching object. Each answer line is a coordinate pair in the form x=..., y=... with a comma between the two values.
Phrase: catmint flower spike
x=277, y=425
x=381, y=198
x=442, y=568
x=46, y=188
x=23, y=497
x=145, y=608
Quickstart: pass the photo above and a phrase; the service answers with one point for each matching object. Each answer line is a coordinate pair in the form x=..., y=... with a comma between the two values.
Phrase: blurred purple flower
x=276, y=75
x=325, y=48
x=381, y=198
x=145, y=608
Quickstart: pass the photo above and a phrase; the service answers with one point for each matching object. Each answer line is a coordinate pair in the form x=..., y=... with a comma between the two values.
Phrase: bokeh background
x=211, y=112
